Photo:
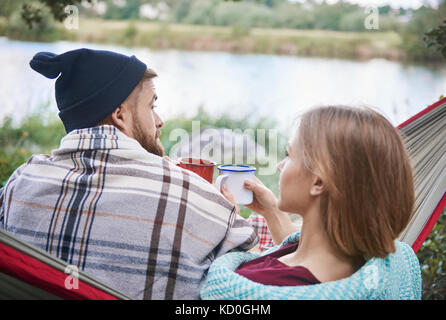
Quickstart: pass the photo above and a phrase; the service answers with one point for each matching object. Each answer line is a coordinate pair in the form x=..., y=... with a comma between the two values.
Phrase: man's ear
x=121, y=118
x=317, y=187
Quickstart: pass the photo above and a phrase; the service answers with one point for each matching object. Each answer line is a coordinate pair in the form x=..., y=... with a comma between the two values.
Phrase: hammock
x=425, y=136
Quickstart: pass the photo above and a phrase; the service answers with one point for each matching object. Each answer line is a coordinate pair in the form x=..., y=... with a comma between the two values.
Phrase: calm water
x=259, y=85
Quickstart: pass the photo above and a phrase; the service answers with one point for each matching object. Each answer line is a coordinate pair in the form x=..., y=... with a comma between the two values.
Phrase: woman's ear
x=317, y=187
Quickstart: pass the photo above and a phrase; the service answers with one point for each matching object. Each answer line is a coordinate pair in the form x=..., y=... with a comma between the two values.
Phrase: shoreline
x=289, y=42
x=357, y=46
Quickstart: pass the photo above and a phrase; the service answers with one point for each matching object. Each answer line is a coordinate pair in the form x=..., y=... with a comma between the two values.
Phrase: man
x=107, y=201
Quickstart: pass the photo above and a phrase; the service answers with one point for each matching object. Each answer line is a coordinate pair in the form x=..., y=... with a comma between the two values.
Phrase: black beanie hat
x=91, y=85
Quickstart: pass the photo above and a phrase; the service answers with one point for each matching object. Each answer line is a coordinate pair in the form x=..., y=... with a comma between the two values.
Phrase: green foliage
x=7, y=7
x=130, y=10
x=291, y=16
x=385, y=9
x=437, y=39
x=200, y=12
x=43, y=29
x=390, y=23
x=12, y=153
x=238, y=31
x=246, y=14
x=32, y=13
x=10, y=160
x=129, y=34
x=329, y=16
x=417, y=30
x=432, y=259
x=341, y=16
x=352, y=21
x=34, y=134
x=181, y=11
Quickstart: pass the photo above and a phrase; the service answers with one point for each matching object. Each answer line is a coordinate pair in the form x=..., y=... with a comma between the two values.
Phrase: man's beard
x=152, y=145
x=156, y=147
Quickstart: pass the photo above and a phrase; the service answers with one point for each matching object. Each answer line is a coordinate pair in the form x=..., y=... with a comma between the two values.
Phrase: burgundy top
x=270, y=271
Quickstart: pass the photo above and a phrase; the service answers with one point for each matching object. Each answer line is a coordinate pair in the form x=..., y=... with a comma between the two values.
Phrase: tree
x=129, y=10
x=328, y=17
x=32, y=13
x=437, y=38
x=181, y=10
x=385, y=9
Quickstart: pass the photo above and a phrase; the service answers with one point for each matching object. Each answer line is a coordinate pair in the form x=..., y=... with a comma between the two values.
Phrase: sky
x=394, y=3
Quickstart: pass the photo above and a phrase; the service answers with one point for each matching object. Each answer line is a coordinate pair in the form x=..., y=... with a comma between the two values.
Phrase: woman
x=347, y=173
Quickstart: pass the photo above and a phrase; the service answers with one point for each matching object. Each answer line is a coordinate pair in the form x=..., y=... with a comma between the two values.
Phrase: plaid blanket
x=124, y=216
x=259, y=223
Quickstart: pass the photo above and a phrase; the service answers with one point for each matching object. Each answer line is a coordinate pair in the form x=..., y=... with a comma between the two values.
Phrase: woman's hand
x=265, y=202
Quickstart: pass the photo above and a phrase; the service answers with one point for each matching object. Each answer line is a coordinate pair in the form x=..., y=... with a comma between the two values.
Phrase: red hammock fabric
x=441, y=205
x=430, y=224
x=38, y=274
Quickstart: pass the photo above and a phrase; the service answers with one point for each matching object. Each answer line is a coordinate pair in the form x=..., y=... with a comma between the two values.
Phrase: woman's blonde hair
x=362, y=160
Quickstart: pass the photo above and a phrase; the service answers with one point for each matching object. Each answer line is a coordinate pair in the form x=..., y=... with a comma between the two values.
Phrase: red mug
x=204, y=168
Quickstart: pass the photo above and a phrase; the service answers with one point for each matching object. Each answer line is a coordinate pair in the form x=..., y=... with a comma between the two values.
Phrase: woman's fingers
x=264, y=198
x=254, y=186
x=249, y=184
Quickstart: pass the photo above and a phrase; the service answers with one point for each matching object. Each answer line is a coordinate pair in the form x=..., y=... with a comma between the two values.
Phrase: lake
x=258, y=85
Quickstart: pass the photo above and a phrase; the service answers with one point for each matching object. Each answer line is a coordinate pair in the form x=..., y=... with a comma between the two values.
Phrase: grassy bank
x=235, y=39
x=238, y=39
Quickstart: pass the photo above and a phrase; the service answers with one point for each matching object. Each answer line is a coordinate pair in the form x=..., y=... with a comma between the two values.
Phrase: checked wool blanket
x=126, y=217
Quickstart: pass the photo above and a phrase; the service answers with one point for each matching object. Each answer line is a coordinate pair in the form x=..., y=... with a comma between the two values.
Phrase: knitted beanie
x=90, y=84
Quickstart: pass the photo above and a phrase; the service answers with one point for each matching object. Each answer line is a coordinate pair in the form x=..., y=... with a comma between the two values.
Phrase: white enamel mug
x=233, y=176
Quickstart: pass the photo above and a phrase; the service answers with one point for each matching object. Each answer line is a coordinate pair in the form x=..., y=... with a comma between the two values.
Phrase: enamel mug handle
x=221, y=179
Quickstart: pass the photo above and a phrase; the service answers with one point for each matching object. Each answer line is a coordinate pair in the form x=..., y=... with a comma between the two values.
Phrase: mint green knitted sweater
x=395, y=277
